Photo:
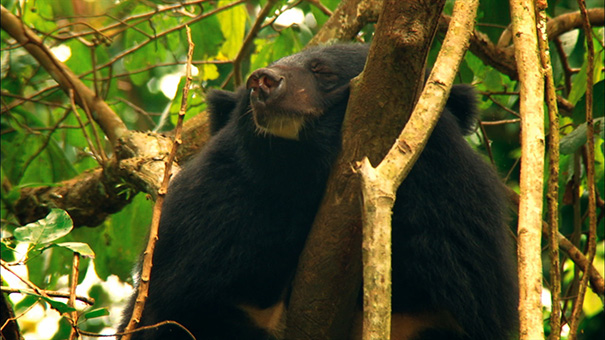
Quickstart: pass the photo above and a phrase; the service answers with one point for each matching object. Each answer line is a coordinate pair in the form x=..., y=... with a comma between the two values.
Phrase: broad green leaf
x=80, y=60
x=7, y=252
x=598, y=104
x=207, y=37
x=285, y=44
x=119, y=241
x=55, y=225
x=37, y=13
x=26, y=303
x=60, y=306
x=233, y=26
x=578, y=87
x=52, y=263
x=570, y=143
x=493, y=81
x=95, y=313
x=64, y=330
x=77, y=247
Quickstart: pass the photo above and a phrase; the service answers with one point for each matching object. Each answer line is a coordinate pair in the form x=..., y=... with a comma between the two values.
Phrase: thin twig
x=129, y=333
x=325, y=10
x=501, y=122
x=552, y=195
x=75, y=270
x=164, y=33
x=74, y=108
x=46, y=141
x=50, y=293
x=143, y=287
x=487, y=142
x=590, y=175
x=244, y=50
x=28, y=283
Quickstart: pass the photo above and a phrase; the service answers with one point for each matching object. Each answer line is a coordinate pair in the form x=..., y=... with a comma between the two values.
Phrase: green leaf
x=55, y=225
x=95, y=313
x=77, y=247
x=493, y=81
x=37, y=14
x=570, y=143
x=207, y=37
x=598, y=104
x=7, y=252
x=60, y=306
x=118, y=248
x=578, y=87
x=233, y=25
x=208, y=72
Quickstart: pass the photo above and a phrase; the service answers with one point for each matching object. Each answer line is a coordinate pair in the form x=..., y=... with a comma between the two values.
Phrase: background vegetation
x=58, y=153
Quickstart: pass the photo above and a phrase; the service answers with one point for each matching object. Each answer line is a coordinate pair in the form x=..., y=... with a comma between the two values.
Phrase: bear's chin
x=287, y=127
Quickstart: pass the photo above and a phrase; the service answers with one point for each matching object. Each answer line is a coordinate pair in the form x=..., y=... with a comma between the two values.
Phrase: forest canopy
x=91, y=93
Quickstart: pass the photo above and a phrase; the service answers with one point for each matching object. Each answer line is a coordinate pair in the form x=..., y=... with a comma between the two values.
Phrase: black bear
x=236, y=217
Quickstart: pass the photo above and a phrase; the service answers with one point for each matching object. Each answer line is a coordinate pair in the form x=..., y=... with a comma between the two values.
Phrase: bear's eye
x=319, y=68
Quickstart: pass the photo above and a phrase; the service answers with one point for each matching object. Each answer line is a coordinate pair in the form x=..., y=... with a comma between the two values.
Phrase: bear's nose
x=263, y=83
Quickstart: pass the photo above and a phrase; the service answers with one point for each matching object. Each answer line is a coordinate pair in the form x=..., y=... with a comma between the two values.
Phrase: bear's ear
x=220, y=104
x=463, y=104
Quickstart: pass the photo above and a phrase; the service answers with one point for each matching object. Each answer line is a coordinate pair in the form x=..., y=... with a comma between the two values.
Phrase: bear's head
x=294, y=90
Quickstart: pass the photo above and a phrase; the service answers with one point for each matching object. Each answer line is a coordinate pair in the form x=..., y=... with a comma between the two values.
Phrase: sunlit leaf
x=55, y=225
x=209, y=72
x=60, y=306
x=233, y=25
x=77, y=247
x=96, y=313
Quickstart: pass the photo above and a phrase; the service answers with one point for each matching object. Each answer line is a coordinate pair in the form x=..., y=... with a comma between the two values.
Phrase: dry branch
x=92, y=196
x=380, y=184
x=501, y=56
x=596, y=280
x=552, y=195
x=143, y=286
x=347, y=20
x=51, y=293
x=523, y=16
x=71, y=302
x=589, y=156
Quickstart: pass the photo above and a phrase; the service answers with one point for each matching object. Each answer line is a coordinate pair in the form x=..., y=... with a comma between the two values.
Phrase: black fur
x=451, y=246
x=236, y=217
x=220, y=104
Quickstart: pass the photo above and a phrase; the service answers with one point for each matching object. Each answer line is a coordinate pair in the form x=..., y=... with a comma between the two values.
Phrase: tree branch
x=143, y=286
x=108, y=120
x=561, y=24
x=596, y=280
x=87, y=300
x=552, y=195
x=347, y=20
x=501, y=56
x=531, y=80
x=380, y=184
x=589, y=156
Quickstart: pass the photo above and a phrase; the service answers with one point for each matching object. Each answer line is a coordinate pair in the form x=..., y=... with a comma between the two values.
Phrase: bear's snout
x=265, y=83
